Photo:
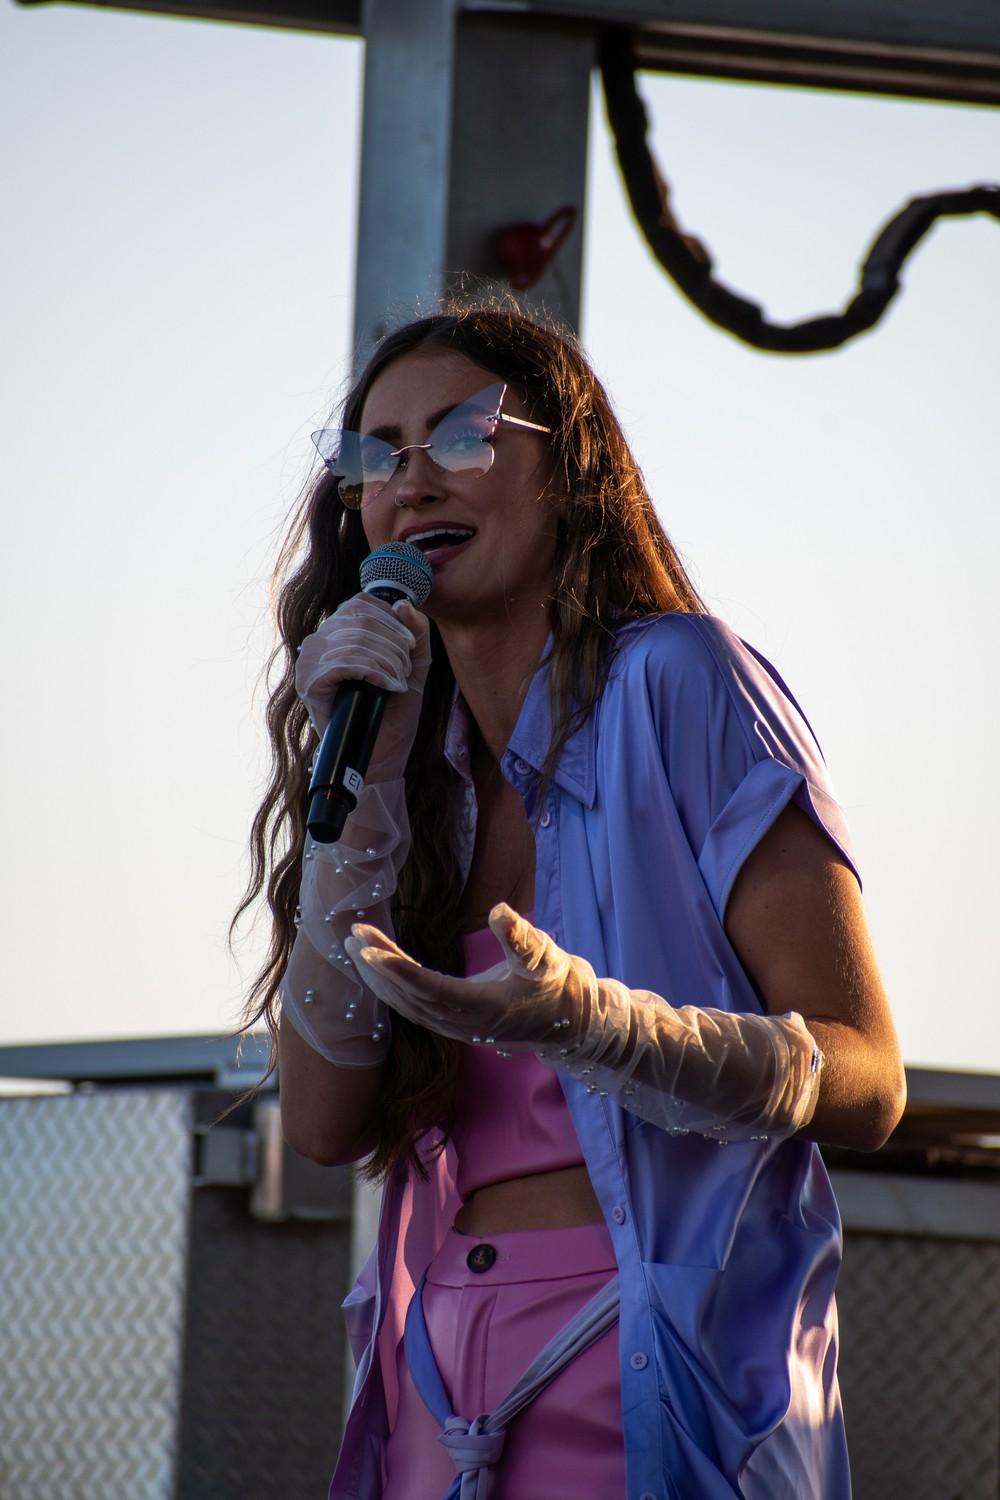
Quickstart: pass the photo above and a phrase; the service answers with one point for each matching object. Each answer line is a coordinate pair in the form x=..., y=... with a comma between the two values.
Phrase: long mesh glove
x=321, y=991
x=724, y=1075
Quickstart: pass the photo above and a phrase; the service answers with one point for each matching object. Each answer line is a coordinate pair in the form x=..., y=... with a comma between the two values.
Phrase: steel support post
x=472, y=123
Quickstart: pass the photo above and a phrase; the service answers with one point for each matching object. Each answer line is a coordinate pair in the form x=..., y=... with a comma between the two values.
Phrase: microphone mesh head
x=398, y=565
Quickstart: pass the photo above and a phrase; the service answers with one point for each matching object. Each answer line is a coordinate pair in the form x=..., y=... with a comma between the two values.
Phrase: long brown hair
x=613, y=561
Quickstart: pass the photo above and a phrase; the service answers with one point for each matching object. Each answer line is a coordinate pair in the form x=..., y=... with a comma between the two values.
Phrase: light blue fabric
x=476, y=1445
x=727, y=1254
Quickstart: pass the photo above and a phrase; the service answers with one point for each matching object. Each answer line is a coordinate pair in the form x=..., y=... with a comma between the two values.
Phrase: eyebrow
x=390, y=432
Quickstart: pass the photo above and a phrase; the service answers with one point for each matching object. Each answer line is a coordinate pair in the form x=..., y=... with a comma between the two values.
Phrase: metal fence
x=169, y=1302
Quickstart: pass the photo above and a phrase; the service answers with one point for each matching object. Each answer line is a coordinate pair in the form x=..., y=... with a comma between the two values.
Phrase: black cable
x=686, y=261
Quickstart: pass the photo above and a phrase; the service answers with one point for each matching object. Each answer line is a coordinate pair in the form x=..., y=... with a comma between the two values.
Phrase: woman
x=595, y=1127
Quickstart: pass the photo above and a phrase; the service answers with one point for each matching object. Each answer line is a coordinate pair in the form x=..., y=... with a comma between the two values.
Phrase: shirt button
x=618, y=1214
x=481, y=1257
x=521, y=767
x=639, y=1361
x=545, y=819
x=648, y=1495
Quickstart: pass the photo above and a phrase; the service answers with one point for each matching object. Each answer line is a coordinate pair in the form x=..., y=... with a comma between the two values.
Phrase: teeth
x=419, y=538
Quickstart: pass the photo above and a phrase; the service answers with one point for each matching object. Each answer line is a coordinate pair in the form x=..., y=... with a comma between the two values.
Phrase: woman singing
x=586, y=976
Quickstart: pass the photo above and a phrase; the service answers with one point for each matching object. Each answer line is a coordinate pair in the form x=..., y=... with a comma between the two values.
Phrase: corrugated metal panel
x=93, y=1238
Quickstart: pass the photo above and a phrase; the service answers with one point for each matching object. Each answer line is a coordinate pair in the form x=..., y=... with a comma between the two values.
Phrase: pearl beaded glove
x=368, y=640
x=729, y=1076
x=321, y=992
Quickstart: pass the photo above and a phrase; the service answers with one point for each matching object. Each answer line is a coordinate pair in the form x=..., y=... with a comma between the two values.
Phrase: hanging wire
x=689, y=264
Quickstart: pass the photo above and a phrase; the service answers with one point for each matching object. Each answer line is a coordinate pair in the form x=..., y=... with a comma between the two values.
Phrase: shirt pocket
x=721, y=1358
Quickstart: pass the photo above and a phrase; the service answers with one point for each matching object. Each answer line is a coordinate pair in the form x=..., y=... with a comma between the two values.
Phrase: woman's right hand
x=367, y=640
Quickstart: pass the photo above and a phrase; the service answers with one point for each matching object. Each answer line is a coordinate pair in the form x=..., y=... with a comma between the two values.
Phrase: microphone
x=395, y=571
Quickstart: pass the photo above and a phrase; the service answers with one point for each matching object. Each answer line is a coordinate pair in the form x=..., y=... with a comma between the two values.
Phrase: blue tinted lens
x=463, y=441
x=363, y=464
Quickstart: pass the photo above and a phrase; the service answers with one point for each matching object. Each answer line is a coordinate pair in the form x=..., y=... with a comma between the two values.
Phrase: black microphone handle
x=339, y=769
x=345, y=750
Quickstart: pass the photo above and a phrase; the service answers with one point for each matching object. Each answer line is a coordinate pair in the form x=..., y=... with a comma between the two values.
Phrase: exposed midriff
x=519, y=1161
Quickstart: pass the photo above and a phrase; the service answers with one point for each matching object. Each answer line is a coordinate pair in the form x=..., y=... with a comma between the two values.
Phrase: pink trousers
x=485, y=1327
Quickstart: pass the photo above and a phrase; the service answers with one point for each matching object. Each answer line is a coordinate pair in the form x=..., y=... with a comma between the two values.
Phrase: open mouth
x=437, y=537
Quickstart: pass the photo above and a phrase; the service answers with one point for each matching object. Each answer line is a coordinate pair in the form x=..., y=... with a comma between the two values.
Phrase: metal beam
x=923, y=1207
x=405, y=149
x=471, y=124
x=907, y=72
x=519, y=147
x=913, y=48
x=224, y=1061
x=962, y=25
x=341, y=17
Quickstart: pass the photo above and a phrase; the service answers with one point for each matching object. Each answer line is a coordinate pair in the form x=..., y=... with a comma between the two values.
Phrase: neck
x=494, y=663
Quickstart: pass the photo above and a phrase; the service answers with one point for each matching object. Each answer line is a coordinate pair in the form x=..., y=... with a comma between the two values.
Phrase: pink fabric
x=512, y=1119
x=485, y=1328
x=504, y=1143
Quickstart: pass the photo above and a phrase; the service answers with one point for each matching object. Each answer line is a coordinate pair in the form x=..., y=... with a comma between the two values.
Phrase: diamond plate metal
x=264, y=1355
x=920, y=1367
x=93, y=1227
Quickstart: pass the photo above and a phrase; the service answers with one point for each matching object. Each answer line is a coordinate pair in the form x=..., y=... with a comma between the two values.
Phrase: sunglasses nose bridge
x=408, y=448
x=408, y=479
x=405, y=457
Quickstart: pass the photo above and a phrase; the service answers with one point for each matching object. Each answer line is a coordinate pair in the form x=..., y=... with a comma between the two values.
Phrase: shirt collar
x=575, y=770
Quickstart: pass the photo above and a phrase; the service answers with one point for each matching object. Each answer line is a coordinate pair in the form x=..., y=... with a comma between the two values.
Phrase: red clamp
x=526, y=250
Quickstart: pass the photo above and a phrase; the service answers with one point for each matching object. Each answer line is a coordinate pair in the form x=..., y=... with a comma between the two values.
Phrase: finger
x=519, y=939
x=363, y=648
x=431, y=994
x=371, y=936
x=405, y=612
x=381, y=983
x=404, y=986
x=378, y=613
x=420, y=652
x=416, y=622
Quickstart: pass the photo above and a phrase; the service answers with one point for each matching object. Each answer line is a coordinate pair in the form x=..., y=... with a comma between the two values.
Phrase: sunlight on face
x=498, y=559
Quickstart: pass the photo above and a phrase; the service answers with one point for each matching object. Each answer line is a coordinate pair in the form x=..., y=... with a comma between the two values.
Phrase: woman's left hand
x=537, y=992
x=726, y=1074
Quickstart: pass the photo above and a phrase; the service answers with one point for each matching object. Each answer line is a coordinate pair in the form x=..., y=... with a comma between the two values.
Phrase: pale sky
x=179, y=206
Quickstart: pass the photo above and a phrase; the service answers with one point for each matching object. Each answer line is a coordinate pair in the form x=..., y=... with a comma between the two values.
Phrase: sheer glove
x=367, y=640
x=729, y=1076
x=321, y=992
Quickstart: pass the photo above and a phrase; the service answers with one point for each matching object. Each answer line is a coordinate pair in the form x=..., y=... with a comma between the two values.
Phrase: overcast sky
x=179, y=205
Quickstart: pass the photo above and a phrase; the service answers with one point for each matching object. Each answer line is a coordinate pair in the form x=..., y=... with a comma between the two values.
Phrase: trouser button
x=481, y=1257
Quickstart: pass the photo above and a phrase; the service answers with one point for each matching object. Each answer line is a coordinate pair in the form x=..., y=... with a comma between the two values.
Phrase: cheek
x=374, y=526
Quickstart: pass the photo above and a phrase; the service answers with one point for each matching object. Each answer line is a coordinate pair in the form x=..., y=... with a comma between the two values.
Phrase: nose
x=418, y=481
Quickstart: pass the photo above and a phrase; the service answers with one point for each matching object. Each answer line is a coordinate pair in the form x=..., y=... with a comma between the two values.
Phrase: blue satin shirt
x=728, y=1254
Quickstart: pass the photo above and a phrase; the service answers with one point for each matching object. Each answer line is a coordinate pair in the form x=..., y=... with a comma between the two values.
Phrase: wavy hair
x=613, y=562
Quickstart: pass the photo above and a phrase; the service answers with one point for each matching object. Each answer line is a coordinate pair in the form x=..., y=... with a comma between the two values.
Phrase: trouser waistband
x=523, y=1255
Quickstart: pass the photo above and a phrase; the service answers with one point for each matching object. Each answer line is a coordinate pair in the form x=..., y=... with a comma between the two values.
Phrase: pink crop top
x=511, y=1119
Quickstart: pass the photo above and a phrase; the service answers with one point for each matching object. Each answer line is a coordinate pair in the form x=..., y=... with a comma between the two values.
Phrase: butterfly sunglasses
x=461, y=443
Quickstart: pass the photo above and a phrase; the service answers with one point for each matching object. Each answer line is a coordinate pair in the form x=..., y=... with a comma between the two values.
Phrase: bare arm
x=796, y=919
x=327, y=1113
